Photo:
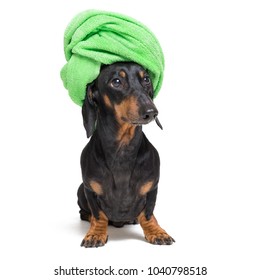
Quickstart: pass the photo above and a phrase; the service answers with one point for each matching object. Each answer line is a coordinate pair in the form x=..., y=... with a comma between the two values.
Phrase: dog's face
x=124, y=90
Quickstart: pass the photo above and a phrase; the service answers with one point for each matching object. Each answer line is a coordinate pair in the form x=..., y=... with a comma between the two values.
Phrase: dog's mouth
x=146, y=121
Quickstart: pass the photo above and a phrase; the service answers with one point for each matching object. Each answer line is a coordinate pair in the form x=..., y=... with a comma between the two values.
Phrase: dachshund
x=120, y=167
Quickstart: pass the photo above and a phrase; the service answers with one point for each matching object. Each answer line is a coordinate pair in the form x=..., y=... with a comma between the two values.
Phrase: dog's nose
x=150, y=114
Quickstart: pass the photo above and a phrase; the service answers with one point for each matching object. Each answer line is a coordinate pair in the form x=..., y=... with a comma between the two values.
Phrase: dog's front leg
x=150, y=202
x=152, y=231
x=97, y=234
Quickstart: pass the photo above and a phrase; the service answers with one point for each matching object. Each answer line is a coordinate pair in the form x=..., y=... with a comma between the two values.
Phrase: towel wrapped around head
x=94, y=38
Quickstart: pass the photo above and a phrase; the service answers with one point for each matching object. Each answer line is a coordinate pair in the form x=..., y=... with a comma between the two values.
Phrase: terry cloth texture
x=94, y=38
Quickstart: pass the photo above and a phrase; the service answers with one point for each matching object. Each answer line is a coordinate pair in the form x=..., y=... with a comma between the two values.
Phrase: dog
x=120, y=167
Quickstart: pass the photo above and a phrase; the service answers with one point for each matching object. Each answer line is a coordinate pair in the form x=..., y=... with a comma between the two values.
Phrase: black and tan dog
x=120, y=167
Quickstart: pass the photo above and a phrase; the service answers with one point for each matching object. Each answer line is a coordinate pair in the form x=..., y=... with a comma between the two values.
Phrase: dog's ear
x=89, y=110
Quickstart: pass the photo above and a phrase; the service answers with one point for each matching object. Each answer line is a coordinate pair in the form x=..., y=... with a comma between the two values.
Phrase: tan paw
x=160, y=239
x=94, y=241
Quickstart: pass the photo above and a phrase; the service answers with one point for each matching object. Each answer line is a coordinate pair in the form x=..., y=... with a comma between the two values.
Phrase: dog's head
x=122, y=90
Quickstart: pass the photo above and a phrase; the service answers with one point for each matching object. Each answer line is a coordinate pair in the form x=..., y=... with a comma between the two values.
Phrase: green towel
x=94, y=38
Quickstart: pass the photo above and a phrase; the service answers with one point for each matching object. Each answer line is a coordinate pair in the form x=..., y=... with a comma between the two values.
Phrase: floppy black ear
x=89, y=111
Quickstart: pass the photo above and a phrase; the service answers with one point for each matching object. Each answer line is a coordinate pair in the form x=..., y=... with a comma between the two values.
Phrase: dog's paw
x=160, y=239
x=94, y=241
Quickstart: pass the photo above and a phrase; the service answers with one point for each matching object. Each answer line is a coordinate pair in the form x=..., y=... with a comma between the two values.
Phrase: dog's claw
x=158, y=241
x=94, y=241
x=162, y=239
x=158, y=122
x=169, y=241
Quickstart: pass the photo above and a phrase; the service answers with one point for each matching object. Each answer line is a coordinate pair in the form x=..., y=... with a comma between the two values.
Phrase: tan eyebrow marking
x=141, y=74
x=122, y=74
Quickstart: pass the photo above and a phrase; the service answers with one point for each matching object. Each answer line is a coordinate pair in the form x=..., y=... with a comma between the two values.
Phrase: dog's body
x=120, y=167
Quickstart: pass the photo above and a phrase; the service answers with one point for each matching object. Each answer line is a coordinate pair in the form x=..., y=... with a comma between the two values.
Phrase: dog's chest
x=122, y=161
x=121, y=199
x=122, y=170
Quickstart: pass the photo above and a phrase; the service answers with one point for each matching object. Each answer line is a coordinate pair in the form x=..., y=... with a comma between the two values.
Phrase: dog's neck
x=117, y=138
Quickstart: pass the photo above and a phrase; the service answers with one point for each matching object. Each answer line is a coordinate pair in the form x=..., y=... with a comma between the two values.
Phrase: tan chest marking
x=146, y=188
x=125, y=134
x=96, y=187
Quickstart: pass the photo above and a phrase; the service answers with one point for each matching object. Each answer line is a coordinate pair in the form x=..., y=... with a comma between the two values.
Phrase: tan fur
x=146, y=188
x=141, y=74
x=122, y=74
x=126, y=112
x=125, y=134
x=107, y=102
x=96, y=187
x=152, y=230
x=98, y=230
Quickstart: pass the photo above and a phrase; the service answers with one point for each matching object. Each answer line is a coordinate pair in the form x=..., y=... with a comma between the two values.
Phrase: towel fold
x=94, y=38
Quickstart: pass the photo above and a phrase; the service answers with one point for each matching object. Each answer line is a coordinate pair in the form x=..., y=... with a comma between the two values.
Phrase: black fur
x=119, y=157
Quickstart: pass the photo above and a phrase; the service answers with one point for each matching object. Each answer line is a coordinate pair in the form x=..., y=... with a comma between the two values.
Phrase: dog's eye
x=147, y=80
x=116, y=83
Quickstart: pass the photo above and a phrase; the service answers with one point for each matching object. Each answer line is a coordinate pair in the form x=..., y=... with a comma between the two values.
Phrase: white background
x=210, y=173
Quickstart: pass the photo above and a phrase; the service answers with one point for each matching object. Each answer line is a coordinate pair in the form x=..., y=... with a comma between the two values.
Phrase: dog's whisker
x=158, y=122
